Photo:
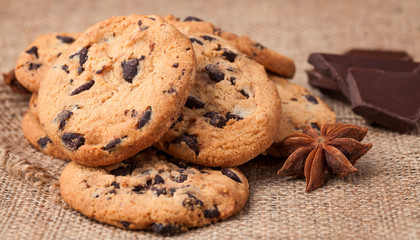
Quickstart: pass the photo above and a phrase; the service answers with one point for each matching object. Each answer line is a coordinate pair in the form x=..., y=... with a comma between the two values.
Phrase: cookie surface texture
x=117, y=89
x=39, y=56
x=270, y=59
x=299, y=109
x=232, y=112
x=154, y=191
x=36, y=136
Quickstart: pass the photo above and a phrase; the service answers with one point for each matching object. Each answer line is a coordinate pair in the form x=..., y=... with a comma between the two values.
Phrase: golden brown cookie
x=271, y=60
x=154, y=191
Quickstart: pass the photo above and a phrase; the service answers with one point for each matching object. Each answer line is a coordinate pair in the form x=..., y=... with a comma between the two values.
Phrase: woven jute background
x=381, y=201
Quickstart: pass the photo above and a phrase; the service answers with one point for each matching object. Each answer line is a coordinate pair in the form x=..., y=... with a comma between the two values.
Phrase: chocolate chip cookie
x=232, y=112
x=153, y=190
x=299, y=109
x=271, y=60
x=36, y=136
x=117, y=89
x=39, y=56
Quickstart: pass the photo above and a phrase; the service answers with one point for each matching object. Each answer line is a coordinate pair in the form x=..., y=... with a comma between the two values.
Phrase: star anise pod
x=336, y=150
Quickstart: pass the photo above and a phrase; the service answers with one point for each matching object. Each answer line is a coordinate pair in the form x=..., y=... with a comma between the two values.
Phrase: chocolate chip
x=141, y=58
x=65, y=68
x=215, y=119
x=80, y=69
x=229, y=55
x=82, y=55
x=191, y=203
x=233, y=116
x=42, y=142
x=144, y=28
x=189, y=140
x=145, y=118
x=293, y=99
x=129, y=68
x=232, y=80
x=180, y=178
x=139, y=189
x=172, y=191
x=62, y=118
x=203, y=172
x=175, y=65
x=258, y=46
x=134, y=113
x=244, y=93
x=229, y=173
x=113, y=144
x=311, y=98
x=195, y=40
x=58, y=54
x=208, y=38
x=101, y=70
x=192, y=19
x=159, y=191
x=65, y=39
x=123, y=170
x=34, y=66
x=115, y=185
x=170, y=90
x=179, y=119
x=84, y=87
x=315, y=126
x=125, y=224
x=151, y=18
x=193, y=102
x=140, y=23
x=215, y=72
x=159, y=179
x=72, y=141
x=211, y=213
x=33, y=51
x=112, y=192
x=166, y=229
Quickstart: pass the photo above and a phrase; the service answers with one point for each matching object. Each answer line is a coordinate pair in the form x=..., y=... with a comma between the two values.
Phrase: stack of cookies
x=156, y=113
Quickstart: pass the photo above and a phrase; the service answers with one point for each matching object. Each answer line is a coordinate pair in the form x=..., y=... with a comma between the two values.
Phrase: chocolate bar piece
x=392, y=55
x=335, y=66
x=325, y=85
x=390, y=99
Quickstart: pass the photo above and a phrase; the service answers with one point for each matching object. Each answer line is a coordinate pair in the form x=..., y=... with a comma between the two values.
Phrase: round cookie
x=232, y=112
x=271, y=60
x=299, y=109
x=36, y=136
x=154, y=191
x=39, y=56
x=117, y=89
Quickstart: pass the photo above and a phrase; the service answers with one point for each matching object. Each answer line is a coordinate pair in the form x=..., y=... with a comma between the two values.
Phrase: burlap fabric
x=381, y=201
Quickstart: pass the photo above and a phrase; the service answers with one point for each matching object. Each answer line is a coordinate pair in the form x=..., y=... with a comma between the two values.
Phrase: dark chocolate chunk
x=390, y=99
x=195, y=40
x=316, y=126
x=10, y=79
x=208, y=38
x=141, y=58
x=215, y=119
x=152, y=18
x=65, y=39
x=125, y=224
x=180, y=178
x=115, y=185
x=84, y=87
x=192, y=19
x=34, y=66
x=244, y=93
x=229, y=55
x=211, y=213
x=215, y=72
x=293, y=99
x=172, y=191
x=72, y=141
x=193, y=102
x=101, y=70
x=159, y=179
x=83, y=56
x=191, y=202
x=65, y=68
x=33, y=51
x=232, y=80
x=123, y=170
x=80, y=69
x=175, y=65
x=189, y=140
x=140, y=23
x=144, y=28
x=145, y=118
x=112, y=192
x=166, y=229
x=233, y=116
x=336, y=66
x=58, y=54
x=113, y=144
x=129, y=68
x=62, y=118
x=159, y=191
x=311, y=99
x=229, y=173
x=42, y=142
x=139, y=189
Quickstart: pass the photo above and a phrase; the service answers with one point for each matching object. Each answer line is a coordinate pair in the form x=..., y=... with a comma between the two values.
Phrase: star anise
x=336, y=150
